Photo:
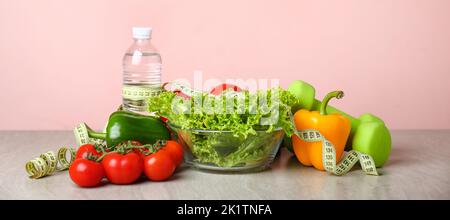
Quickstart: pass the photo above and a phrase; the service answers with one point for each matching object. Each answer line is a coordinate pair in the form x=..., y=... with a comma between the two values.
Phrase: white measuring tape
x=329, y=155
x=137, y=93
x=82, y=136
x=48, y=163
x=177, y=87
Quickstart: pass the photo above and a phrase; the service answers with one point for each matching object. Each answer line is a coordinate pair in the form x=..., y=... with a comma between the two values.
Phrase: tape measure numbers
x=49, y=162
x=181, y=88
x=138, y=92
x=329, y=155
x=81, y=132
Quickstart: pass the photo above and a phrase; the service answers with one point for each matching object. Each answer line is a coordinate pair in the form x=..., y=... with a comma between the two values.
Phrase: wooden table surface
x=418, y=168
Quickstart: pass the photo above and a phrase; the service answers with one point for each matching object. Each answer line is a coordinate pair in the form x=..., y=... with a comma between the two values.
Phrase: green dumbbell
x=368, y=135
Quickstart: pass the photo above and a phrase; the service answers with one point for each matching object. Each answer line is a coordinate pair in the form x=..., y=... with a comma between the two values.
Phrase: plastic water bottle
x=141, y=72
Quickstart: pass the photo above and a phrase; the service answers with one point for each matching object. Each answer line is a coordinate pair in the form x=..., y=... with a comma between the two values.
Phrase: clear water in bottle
x=141, y=72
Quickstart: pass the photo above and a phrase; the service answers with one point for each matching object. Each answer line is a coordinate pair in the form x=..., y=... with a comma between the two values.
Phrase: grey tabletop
x=418, y=168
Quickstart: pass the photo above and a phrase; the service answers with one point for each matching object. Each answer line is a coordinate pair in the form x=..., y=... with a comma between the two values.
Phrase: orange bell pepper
x=334, y=127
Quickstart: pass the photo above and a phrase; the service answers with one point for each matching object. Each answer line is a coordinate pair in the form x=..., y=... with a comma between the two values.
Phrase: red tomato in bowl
x=220, y=88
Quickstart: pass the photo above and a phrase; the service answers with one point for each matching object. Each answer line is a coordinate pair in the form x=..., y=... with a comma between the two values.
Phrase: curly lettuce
x=243, y=115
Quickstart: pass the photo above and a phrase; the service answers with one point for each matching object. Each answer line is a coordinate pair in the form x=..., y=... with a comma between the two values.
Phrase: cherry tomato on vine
x=123, y=168
x=139, y=151
x=175, y=151
x=159, y=166
x=85, y=150
x=86, y=173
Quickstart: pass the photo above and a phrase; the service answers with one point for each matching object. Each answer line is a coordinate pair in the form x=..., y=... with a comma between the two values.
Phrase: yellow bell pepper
x=334, y=127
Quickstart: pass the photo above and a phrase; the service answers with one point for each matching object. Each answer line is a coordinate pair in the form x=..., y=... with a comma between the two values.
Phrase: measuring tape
x=181, y=89
x=137, y=93
x=329, y=153
x=48, y=163
x=82, y=136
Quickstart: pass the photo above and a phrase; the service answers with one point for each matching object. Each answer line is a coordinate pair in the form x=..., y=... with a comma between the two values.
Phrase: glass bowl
x=223, y=151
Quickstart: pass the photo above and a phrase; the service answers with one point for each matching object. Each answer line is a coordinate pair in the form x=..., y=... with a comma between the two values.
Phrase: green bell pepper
x=127, y=126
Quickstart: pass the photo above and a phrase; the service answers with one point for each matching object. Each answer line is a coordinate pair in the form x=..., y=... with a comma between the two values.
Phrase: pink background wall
x=60, y=60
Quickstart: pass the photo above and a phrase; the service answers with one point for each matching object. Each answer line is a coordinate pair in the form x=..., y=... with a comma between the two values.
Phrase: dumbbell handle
x=305, y=92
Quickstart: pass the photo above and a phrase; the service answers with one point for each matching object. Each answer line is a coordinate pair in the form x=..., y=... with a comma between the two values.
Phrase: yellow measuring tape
x=174, y=86
x=137, y=92
x=48, y=163
x=82, y=136
x=329, y=155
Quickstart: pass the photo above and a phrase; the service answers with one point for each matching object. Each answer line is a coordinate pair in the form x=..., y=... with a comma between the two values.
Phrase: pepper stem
x=98, y=135
x=328, y=97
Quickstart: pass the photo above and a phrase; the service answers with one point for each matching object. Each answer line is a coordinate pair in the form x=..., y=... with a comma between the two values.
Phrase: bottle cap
x=142, y=32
